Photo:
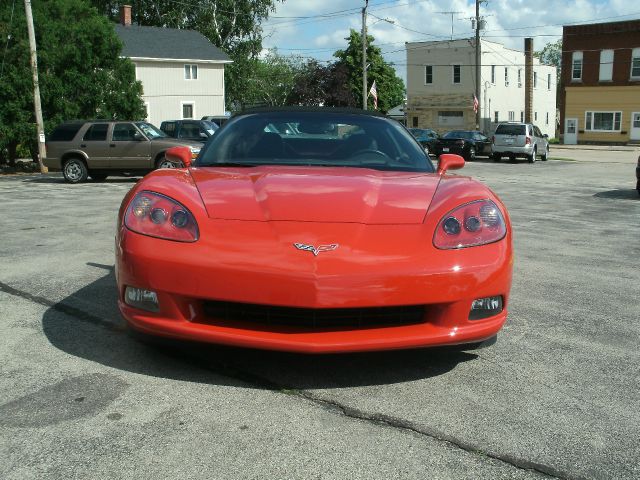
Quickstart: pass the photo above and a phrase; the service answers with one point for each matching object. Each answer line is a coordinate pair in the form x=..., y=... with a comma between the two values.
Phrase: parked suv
x=519, y=140
x=100, y=148
x=195, y=130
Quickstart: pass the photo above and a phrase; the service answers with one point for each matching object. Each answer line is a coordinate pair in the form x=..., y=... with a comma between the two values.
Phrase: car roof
x=353, y=111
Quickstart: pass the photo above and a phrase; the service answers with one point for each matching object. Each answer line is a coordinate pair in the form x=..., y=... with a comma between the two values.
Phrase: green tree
x=80, y=71
x=390, y=87
x=274, y=79
x=323, y=85
x=551, y=54
x=234, y=26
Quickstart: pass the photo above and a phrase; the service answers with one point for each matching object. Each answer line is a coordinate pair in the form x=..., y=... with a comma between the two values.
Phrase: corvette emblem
x=314, y=250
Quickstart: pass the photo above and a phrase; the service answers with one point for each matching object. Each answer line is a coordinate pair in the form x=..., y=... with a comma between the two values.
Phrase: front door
x=571, y=131
x=635, y=126
x=129, y=148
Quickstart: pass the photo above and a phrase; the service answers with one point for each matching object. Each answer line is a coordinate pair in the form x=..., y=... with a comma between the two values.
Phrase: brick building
x=600, y=85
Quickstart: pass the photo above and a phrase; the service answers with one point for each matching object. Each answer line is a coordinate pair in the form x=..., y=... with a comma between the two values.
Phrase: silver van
x=519, y=140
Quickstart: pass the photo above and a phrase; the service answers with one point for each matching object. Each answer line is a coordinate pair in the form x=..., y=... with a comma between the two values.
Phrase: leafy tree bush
x=81, y=73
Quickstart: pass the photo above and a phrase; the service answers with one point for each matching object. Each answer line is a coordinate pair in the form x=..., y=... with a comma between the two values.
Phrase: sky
x=316, y=29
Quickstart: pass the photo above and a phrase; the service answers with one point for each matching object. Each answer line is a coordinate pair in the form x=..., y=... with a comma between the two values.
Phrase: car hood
x=309, y=194
x=173, y=142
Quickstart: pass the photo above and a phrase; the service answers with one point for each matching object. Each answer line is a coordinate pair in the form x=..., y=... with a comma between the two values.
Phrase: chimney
x=125, y=15
x=528, y=80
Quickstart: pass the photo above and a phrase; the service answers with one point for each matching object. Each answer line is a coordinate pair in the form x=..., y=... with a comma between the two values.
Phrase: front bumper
x=186, y=276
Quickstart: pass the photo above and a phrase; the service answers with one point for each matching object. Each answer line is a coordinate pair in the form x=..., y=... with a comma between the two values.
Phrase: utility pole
x=36, y=86
x=478, y=64
x=364, y=55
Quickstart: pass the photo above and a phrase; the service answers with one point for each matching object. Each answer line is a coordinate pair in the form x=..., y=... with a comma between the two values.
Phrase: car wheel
x=471, y=156
x=544, y=157
x=98, y=177
x=532, y=157
x=496, y=157
x=164, y=163
x=75, y=171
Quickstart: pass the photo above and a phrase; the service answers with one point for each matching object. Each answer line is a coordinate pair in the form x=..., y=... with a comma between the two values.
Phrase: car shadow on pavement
x=621, y=194
x=87, y=324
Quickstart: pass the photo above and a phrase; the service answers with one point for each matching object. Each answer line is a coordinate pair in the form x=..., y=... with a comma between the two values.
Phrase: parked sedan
x=426, y=137
x=467, y=143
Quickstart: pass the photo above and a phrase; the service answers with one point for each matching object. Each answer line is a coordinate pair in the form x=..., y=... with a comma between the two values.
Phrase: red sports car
x=314, y=230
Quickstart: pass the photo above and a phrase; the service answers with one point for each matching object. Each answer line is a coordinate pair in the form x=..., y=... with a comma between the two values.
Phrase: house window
x=493, y=74
x=451, y=119
x=191, y=72
x=455, y=71
x=188, y=110
x=548, y=81
x=414, y=121
x=512, y=116
x=602, y=121
x=496, y=115
x=546, y=122
x=576, y=69
x=506, y=77
x=606, y=65
x=635, y=63
x=428, y=74
x=535, y=79
x=519, y=78
x=522, y=116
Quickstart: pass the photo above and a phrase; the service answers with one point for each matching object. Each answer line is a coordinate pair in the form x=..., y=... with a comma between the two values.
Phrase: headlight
x=157, y=215
x=469, y=225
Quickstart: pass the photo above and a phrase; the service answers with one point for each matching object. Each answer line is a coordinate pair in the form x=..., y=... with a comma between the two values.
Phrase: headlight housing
x=159, y=216
x=470, y=225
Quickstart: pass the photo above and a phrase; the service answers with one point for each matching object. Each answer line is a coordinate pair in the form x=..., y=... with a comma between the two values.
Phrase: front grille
x=313, y=318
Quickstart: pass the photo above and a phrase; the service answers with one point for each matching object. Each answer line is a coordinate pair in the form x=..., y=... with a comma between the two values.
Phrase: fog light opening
x=142, y=299
x=485, y=307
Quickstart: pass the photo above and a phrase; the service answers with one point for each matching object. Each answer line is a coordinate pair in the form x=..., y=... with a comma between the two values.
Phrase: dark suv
x=99, y=148
x=195, y=130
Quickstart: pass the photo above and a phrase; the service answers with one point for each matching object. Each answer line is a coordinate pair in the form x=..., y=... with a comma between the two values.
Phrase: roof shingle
x=171, y=43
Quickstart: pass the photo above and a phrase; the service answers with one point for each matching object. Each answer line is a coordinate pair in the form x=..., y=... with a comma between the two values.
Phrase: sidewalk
x=607, y=148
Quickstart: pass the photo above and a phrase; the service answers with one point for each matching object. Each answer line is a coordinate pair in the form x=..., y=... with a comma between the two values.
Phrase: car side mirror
x=179, y=156
x=203, y=135
x=138, y=137
x=546, y=136
x=449, y=161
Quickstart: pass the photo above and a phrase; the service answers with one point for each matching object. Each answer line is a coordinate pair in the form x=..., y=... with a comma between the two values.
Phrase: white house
x=181, y=71
x=441, y=86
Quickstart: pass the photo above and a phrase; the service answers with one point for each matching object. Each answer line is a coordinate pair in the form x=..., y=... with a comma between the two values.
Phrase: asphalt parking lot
x=557, y=396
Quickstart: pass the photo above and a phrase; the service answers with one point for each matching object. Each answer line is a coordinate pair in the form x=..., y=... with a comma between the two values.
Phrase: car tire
x=98, y=177
x=496, y=157
x=471, y=155
x=532, y=157
x=164, y=163
x=545, y=157
x=75, y=171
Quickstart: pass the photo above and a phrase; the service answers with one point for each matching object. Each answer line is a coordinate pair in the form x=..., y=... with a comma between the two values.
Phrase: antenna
x=452, y=14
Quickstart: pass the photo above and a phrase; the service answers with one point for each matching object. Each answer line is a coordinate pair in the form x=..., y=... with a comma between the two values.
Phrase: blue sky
x=327, y=23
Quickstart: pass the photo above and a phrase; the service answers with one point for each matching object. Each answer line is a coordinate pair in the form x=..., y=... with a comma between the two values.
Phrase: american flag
x=374, y=93
x=475, y=103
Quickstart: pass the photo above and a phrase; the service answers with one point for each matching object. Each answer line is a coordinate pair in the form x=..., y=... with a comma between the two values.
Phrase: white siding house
x=441, y=85
x=182, y=73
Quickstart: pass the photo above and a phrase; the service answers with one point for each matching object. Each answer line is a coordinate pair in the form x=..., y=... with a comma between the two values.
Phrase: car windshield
x=150, y=131
x=315, y=138
x=210, y=127
x=510, y=130
x=458, y=134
